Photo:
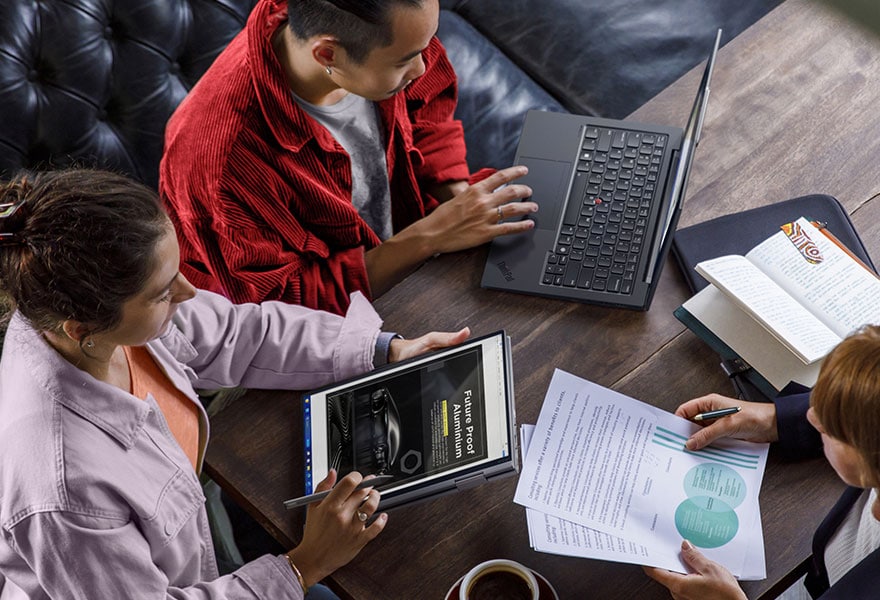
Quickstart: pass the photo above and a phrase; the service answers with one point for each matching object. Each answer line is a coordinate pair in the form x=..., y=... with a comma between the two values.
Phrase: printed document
x=606, y=476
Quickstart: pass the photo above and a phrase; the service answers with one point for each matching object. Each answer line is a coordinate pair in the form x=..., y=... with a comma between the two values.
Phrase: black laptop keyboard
x=604, y=229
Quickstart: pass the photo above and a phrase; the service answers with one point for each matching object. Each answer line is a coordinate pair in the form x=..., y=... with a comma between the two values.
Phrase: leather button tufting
x=102, y=114
x=33, y=75
x=108, y=32
x=174, y=69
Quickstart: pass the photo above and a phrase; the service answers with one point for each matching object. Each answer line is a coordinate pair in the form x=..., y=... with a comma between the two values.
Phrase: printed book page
x=749, y=339
x=604, y=461
x=761, y=296
x=842, y=293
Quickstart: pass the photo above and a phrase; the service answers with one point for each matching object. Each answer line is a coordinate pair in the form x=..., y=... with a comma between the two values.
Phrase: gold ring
x=500, y=213
x=362, y=516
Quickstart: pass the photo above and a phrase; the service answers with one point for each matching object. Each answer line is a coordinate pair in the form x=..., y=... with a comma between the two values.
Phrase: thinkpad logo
x=505, y=271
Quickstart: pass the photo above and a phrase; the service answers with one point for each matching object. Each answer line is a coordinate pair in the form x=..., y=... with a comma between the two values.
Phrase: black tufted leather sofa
x=94, y=81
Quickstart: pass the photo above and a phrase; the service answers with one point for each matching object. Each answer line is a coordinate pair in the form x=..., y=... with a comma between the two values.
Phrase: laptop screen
x=686, y=156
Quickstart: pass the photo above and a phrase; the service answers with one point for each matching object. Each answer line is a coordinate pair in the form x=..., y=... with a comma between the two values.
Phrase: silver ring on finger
x=500, y=210
x=362, y=516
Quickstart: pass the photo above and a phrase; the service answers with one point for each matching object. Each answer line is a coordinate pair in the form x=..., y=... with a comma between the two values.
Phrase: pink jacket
x=97, y=500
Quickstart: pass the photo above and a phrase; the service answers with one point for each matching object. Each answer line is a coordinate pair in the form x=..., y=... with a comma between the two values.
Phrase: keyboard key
x=585, y=278
x=604, y=142
x=574, y=202
x=569, y=279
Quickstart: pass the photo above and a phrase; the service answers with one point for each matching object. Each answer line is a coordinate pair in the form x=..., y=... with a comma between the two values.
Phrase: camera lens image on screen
x=412, y=423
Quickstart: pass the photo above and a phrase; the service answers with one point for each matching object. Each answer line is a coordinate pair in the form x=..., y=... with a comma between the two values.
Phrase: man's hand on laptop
x=402, y=349
x=482, y=212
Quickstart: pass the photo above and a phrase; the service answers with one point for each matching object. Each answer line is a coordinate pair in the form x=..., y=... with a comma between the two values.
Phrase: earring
x=329, y=72
x=90, y=344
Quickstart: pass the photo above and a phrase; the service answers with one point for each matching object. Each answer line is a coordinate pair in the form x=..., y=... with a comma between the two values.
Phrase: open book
x=787, y=303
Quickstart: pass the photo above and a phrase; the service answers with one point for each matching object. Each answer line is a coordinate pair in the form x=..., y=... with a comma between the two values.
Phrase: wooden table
x=793, y=111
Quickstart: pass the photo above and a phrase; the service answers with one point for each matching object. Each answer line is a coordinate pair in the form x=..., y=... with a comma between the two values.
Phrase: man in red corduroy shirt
x=319, y=156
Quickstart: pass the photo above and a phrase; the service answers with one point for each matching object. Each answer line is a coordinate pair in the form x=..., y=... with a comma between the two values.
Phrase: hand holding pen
x=335, y=529
x=750, y=421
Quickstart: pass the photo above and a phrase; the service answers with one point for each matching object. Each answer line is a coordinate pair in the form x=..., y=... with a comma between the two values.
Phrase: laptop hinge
x=470, y=481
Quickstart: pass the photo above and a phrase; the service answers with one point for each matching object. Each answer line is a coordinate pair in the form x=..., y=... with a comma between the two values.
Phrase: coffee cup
x=499, y=579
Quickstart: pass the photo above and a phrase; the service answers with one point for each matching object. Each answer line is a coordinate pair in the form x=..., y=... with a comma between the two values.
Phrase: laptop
x=609, y=194
x=437, y=423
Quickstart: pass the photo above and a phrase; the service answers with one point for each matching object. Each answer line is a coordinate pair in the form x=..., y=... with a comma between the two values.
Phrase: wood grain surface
x=793, y=111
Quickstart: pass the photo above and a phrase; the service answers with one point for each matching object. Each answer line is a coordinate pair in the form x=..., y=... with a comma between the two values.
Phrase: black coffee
x=500, y=585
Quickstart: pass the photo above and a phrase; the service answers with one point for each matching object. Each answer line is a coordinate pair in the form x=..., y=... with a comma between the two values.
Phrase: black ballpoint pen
x=714, y=414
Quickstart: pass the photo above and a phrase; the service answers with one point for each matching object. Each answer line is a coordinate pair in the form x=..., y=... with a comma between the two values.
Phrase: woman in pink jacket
x=101, y=432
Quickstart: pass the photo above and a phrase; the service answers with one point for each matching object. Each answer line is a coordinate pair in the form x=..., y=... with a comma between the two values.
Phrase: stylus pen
x=714, y=414
x=371, y=482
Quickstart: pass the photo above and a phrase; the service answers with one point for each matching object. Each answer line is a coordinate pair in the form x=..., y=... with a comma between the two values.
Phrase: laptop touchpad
x=549, y=182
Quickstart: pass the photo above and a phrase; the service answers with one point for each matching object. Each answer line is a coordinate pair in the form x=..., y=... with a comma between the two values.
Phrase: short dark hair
x=359, y=25
x=79, y=243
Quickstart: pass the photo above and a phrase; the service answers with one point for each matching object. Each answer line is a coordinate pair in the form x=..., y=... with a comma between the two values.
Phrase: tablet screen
x=432, y=419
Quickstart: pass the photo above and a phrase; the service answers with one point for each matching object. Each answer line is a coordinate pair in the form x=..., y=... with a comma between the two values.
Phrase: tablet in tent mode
x=438, y=423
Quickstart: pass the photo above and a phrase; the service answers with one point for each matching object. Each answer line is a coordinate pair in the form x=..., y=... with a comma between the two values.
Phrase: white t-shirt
x=354, y=123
